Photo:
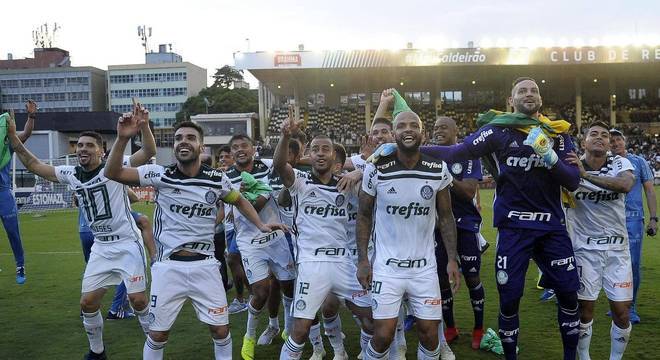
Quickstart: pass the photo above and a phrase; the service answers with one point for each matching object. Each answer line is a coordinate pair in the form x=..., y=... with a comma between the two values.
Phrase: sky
x=207, y=32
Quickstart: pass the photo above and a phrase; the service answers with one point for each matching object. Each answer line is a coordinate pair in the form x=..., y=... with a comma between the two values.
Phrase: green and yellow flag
x=5, y=154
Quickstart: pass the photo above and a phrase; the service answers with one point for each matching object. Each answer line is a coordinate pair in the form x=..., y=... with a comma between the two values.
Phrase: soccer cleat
x=360, y=355
x=266, y=337
x=446, y=353
x=408, y=323
x=477, y=335
x=485, y=247
x=341, y=356
x=548, y=294
x=634, y=317
x=318, y=354
x=94, y=356
x=20, y=275
x=451, y=334
x=236, y=306
x=121, y=314
x=284, y=335
x=247, y=350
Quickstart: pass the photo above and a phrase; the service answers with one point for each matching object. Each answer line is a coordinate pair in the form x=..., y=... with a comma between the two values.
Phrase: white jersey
x=244, y=229
x=186, y=207
x=320, y=220
x=405, y=207
x=275, y=182
x=599, y=219
x=358, y=162
x=104, y=202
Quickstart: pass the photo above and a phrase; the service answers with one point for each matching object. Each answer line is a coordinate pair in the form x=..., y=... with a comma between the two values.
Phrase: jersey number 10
x=93, y=210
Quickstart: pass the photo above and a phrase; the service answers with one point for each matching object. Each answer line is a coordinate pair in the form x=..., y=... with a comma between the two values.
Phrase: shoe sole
x=239, y=311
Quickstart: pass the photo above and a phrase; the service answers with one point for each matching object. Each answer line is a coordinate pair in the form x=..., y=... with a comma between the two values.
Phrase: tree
x=221, y=100
x=226, y=75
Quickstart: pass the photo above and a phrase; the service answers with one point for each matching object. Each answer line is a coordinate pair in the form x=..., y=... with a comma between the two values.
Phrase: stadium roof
x=100, y=121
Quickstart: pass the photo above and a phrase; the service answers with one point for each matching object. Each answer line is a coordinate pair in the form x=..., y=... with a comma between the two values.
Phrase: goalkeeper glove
x=383, y=150
x=542, y=145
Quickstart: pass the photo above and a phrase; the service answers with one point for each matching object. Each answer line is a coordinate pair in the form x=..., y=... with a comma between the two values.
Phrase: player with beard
x=467, y=175
x=118, y=251
x=321, y=227
x=261, y=255
x=404, y=192
x=528, y=209
x=189, y=199
x=597, y=225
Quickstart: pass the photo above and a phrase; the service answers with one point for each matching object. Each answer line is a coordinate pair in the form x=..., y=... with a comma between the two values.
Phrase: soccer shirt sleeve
x=369, y=179
x=298, y=185
x=150, y=175
x=472, y=170
x=227, y=193
x=447, y=178
x=480, y=143
x=621, y=164
x=63, y=173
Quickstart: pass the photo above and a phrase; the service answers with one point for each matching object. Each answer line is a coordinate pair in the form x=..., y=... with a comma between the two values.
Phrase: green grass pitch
x=40, y=320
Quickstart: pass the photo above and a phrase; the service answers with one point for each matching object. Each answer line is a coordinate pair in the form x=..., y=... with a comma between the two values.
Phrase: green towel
x=491, y=342
x=523, y=122
x=5, y=153
x=253, y=188
x=400, y=104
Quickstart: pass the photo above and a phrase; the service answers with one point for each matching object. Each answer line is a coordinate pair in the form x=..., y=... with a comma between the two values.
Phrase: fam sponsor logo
x=359, y=294
x=623, y=285
x=218, y=310
x=413, y=209
x=406, y=263
x=136, y=278
x=606, y=240
x=330, y=251
x=529, y=215
x=433, y=302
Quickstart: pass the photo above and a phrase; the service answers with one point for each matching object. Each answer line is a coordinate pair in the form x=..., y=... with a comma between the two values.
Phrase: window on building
x=31, y=83
x=78, y=96
x=77, y=81
x=451, y=96
x=9, y=84
x=55, y=97
x=55, y=82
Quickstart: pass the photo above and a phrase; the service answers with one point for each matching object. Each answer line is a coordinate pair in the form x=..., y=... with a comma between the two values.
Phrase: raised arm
x=245, y=208
x=386, y=100
x=363, y=233
x=447, y=227
x=621, y=183
x=649, y=191
x=127, y=127
x=280, y=164
x=31, y=108
x=27, y=158
x=148, y=150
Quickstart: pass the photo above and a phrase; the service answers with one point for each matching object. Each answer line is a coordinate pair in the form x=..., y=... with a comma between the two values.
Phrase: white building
x=161, y=86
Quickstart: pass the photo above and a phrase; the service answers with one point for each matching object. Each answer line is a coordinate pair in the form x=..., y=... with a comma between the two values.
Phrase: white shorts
x=276, y=258
x=111, y=263
x=604, y=269
x=173, y=282
x=423, y=294
x=316, y=280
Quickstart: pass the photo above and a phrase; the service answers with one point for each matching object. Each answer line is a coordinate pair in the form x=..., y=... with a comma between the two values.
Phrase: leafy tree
x=226, y=75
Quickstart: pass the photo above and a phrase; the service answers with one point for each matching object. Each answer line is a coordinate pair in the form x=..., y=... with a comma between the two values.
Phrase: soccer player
x=225, y=161
x=405, y=191
x=467, y=175
x=635, y=211
x=189, y=199
x=8, y=211
x=321, y=224
x=119, y=309
x=528, y=209
x=597, y=226
x=118, y=252
x=260, y=254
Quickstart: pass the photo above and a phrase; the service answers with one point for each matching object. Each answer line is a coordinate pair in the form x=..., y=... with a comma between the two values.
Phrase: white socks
x=93, y=323
x=619, y=338
x=222, y=348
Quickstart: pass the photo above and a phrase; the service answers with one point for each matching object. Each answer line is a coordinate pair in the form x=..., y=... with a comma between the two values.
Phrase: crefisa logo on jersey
x=339, y=200
x=457, y=168
x=426, y=192
x=211, y=197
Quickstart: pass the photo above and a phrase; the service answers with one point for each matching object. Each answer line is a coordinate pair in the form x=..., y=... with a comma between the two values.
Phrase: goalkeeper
x=526, y=152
